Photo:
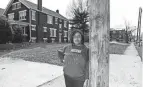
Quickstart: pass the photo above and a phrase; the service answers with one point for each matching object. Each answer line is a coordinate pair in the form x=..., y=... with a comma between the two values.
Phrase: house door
x=60, y=37
x=25, y=33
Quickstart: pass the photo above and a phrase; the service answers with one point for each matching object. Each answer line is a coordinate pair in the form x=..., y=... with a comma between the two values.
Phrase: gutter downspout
x=30, y=23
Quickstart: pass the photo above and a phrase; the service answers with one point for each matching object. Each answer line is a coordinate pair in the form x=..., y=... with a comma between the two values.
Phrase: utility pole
x=139, y=26
x=99, y=12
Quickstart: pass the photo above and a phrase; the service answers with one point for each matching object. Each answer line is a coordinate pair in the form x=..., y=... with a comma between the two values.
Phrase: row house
x=38, y=23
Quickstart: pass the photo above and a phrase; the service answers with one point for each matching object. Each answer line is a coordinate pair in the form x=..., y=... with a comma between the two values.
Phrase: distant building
x=52, y=26
x=118, y=35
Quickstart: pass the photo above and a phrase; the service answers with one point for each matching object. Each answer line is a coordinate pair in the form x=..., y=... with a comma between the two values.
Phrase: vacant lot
x=48, y=53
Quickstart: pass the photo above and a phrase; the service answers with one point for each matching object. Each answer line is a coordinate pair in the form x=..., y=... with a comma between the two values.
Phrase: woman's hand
x=62, y=61
x=86, y=83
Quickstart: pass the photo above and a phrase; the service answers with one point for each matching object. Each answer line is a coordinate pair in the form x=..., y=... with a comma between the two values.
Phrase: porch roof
x=19, y=22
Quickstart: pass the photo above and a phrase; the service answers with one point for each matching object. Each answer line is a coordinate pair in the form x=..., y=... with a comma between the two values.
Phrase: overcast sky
x=121, y=10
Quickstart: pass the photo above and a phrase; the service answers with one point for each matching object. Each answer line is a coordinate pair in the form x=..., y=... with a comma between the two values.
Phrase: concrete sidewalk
x=131, y=50
x=57, y=82
x=20, y=73
x=126, y=70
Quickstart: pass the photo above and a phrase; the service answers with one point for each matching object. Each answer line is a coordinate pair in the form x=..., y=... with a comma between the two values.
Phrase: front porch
x=25, y=29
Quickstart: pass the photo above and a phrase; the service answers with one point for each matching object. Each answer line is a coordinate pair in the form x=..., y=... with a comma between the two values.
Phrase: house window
x=44, y=29
x=60, y=20
x=56, y=20
x=16, y=5
x=45, y=39
x=53, y=40
x=49, y=19
x=23, y=31
x=11, y=16
x=52, y=32
x=65, y=24
x=33, y=15
x=33, y=39
x=22, y=15
x=33, y=27
x=65, y=33
x=60, y=25
x=13, y=6
x=65, y=40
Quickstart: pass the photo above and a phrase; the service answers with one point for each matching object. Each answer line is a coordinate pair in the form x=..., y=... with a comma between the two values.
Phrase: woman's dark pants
x=70, y=82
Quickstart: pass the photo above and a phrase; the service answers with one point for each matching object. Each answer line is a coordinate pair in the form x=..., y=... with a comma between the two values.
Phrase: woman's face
x=77, y=38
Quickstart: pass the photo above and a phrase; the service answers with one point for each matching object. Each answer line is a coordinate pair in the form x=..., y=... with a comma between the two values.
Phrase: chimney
x=57, y=11
x=40, y=5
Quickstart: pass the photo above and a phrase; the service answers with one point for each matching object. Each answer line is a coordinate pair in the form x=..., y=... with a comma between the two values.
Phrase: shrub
x=17, y=35
x=5, y=30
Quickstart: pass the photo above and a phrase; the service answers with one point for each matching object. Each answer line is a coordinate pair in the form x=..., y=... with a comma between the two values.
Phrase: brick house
x=38, y=23
x=117, y=35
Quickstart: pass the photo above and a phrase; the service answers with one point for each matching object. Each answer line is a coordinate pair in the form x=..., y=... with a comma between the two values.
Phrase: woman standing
x=75, y=58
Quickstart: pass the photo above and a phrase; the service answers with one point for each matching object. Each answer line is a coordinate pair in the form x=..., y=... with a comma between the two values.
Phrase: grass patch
x=117, y=48
x=48, y=53
x=42, y=53
x=7, y=48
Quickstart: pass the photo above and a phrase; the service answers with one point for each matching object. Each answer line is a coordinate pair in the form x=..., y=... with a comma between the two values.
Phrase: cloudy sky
x=121, y=10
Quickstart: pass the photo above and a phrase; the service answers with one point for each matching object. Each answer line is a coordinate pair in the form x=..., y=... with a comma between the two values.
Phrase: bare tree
x=128, y=31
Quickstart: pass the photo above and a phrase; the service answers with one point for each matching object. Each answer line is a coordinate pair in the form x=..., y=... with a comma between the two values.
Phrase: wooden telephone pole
x=99, y=12
x=139, y=26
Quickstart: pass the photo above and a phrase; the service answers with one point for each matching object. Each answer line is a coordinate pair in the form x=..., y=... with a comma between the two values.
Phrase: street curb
x=45, y=83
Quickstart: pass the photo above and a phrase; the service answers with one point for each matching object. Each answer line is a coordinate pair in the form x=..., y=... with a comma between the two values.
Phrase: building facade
x=118, y=35
x=37, y=25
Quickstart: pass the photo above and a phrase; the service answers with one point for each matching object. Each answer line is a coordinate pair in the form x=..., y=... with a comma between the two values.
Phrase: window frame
x=56, y=20
x=65, y=33
x=11, y=15
x=60, y=26
x=33, y=39
x=49, y=19
x=45, y=40
x=22, y=15
x=24, y=30
x=14, y=7
x=33, y=14
x=45, y=29
x=18, y=5
x=53, y=32
x=34, y=29
x=65, y=24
